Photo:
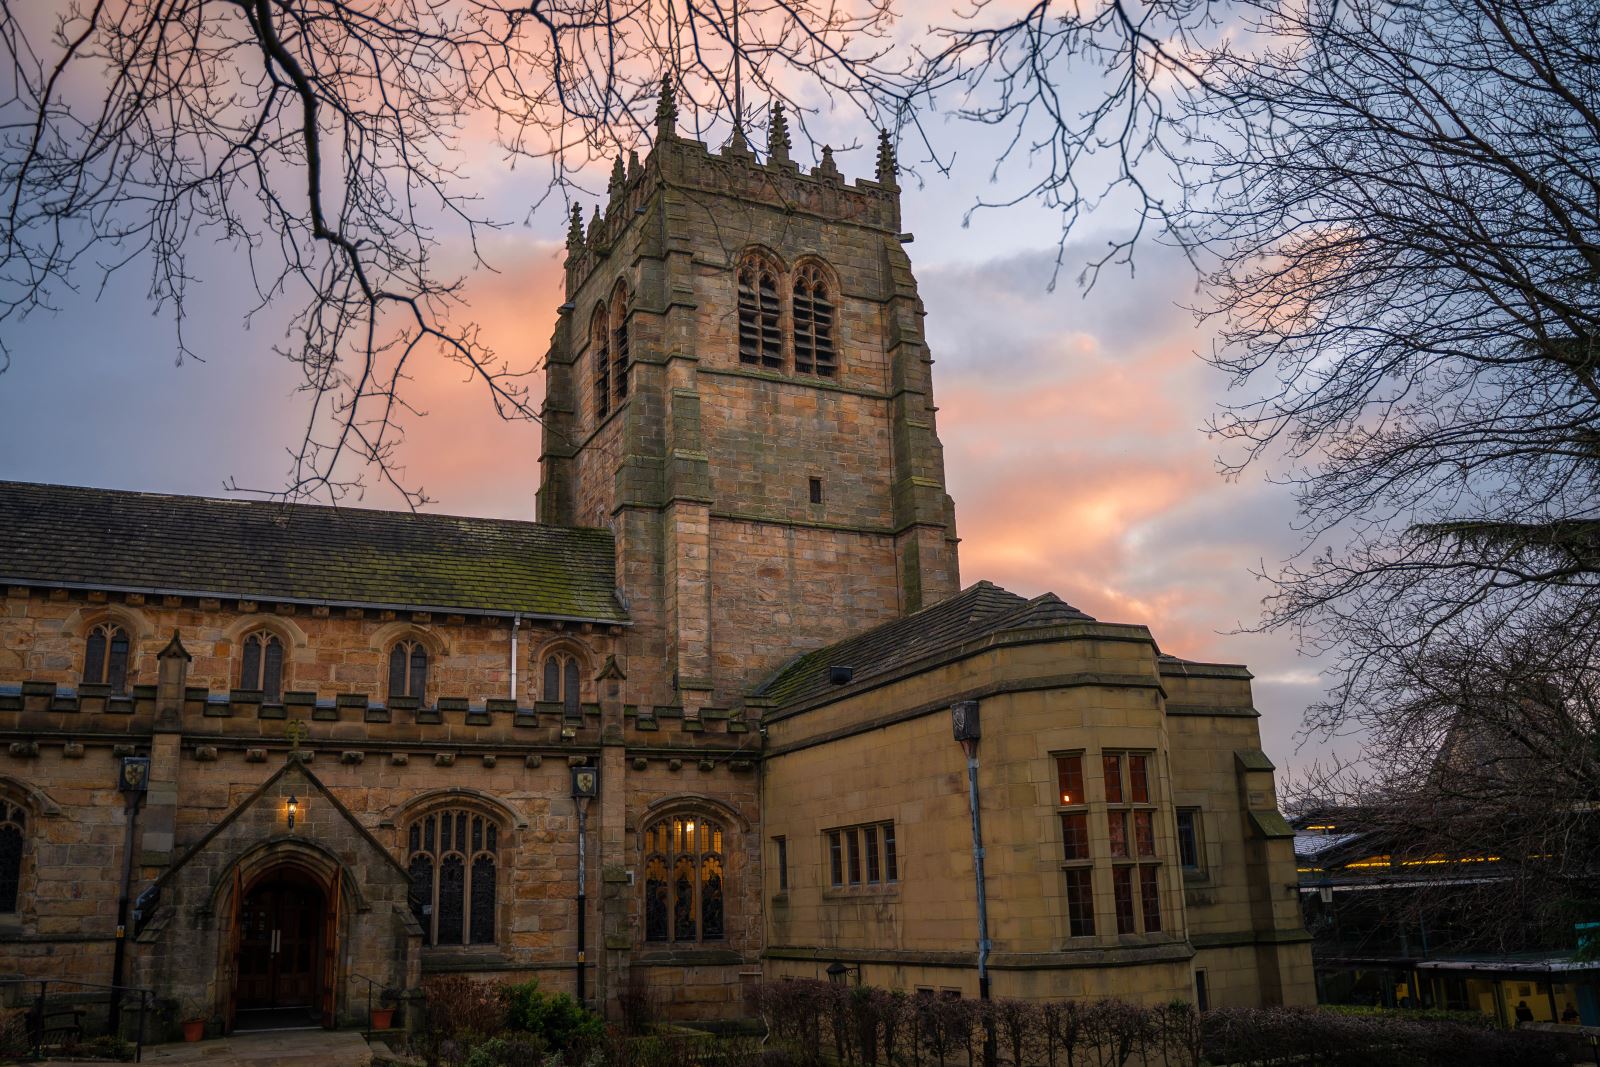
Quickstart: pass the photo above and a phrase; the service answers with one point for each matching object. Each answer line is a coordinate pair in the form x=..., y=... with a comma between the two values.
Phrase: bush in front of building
x=821, y=1022
x=554, y=1018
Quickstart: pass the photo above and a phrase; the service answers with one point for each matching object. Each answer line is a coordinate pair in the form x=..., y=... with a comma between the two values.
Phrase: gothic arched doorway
x=285, y=949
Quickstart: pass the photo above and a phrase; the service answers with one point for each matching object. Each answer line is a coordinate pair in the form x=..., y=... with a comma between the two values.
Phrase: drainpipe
x=964, y=723
x=516, y=621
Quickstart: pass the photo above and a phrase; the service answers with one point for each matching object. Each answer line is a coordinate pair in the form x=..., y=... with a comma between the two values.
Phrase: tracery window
x=453, y=862
x=599, y=343
x=13, y=828
x=813, y=323
x=408, y=670
x=684, y=880
x=619, y=344
x=760, y=340
x=105, y=658
x=562, y=682
x=261, y=665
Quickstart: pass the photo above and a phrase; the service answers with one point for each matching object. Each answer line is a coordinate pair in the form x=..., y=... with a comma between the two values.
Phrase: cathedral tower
x=739, y=387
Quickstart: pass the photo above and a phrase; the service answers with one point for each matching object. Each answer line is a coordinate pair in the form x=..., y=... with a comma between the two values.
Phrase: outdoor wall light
x=294, y=805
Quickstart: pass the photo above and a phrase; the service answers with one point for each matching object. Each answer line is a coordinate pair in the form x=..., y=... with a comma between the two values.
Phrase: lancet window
x=13, y=832
x=453, y=861
x=619, y=344
x=408, y=670
x=261, y=665
x=105, y=657
x=684, y=891
x=561, y=682
x=600, y=353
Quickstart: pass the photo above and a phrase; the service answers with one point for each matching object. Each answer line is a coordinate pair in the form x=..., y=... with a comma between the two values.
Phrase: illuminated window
x=1077, y=871
x=453, y=861
x=684, y=892
x=1131, y=833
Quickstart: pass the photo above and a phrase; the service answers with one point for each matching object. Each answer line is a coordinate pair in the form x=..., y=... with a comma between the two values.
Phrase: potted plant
x=193, y=1021
x=383, y=1015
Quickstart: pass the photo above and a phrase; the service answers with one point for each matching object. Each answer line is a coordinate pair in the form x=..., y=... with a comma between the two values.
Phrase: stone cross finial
x=666, y=109
x=575, y=229
x=294, y=730
x=778, y=134
x=886, y=161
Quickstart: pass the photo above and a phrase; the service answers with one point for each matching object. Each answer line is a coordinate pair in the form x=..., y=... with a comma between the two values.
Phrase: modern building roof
x=72, y=537
x=977, y=611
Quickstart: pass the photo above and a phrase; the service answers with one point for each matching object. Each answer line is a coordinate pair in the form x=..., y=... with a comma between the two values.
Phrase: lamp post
x=133, y=782
x=585, y=787
x=965, y=725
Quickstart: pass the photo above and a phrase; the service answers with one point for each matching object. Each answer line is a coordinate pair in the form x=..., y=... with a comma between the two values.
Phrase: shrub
x=520, y=1050
x=556, y=1019
x=461, y=1007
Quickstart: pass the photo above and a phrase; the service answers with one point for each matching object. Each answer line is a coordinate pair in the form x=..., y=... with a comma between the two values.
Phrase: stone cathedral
x=262, y=758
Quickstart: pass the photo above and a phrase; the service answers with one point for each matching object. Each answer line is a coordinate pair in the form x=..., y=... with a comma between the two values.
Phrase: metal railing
x=39, y=1016
x=372, y=984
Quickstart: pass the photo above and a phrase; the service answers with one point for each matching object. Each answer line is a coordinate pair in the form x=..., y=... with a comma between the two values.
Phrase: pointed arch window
x=261, y=665
x=599, y=344
x=813, y=323
x=408, y=670
x=562, y=682
x=684, y=891
x=453, y=860
x=619, y=344
x=13, y=832
x=760, y=340
x=105, y=657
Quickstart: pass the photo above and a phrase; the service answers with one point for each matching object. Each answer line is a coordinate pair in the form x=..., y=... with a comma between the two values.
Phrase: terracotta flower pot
x=194, y=1029
x=382, y=1018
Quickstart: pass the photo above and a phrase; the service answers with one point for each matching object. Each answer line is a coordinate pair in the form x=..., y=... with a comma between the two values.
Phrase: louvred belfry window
x=599, y=342
x=454, y=857
x=813, y=324
x=105, y=657
x=760, y=339
x=261, y=666
x=683, y=880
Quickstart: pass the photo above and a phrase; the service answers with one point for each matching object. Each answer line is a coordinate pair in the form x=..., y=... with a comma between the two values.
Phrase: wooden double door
x=280, y=952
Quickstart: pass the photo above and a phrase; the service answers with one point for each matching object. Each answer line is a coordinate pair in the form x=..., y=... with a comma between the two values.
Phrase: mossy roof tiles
x=69, y=536
x=977, y=611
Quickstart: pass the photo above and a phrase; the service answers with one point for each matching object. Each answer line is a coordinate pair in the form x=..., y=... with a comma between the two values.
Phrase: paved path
x=292, y=1048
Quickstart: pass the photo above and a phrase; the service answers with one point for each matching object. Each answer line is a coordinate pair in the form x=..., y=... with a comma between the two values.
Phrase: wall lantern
x=294, y=806
x=837, y=972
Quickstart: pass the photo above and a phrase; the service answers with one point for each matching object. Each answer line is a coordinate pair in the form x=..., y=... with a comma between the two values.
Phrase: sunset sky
x=1072, y=423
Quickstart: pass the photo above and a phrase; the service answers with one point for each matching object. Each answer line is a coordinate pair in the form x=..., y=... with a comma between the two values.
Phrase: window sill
x=859, y=892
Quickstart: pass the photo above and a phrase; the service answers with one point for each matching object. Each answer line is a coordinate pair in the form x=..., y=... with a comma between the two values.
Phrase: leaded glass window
x=454, y=865
x=563, y=682
x=408, y=670
x=105, y=657
x=599, y=341
x=619, y=344
x=684, y=881
x=261, y=666
x=13, y=824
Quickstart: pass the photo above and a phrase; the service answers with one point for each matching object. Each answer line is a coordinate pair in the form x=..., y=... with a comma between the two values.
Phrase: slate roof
x=977, y=611
x=74, y=537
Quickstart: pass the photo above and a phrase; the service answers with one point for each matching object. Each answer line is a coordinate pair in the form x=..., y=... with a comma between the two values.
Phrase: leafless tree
x=323, y=141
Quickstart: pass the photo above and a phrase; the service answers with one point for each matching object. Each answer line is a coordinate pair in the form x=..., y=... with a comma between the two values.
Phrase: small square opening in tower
x=816, y=490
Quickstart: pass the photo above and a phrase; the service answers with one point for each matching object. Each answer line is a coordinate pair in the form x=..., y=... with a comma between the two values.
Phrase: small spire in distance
x=778, y=134
x=575, y=229
x=828, y=168
x=619, y=176
x=666, y=109
x=594, y=225
x=887, y=168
